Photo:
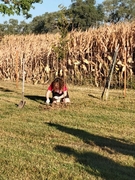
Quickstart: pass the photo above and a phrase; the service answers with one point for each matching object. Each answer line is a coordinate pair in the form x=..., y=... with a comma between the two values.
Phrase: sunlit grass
x=90, y=139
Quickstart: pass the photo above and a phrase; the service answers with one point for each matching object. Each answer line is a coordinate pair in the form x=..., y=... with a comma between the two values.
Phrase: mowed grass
x=92, y=139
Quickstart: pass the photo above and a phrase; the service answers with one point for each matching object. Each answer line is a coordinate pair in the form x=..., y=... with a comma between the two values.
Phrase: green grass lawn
x=91, y=139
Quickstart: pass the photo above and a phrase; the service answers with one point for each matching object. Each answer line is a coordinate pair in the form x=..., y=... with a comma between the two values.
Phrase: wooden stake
x=16, y=69
x=125, y=76
x=108, y=81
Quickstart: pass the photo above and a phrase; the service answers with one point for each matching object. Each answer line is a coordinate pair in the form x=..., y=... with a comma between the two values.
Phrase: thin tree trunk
x=108, y=81
x=125, y=77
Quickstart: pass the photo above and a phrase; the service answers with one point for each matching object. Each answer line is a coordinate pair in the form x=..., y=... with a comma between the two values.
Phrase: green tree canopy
x=119, y=10
x=81, y=14
x=45, y=23
x=84, y=14
x=11, y=7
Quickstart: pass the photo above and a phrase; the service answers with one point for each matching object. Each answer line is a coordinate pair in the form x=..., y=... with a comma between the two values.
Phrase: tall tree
x=84, y=14
x=24, y=28
x=13, y=26
x=45, y=23
x=119, y=10
x=18, y=7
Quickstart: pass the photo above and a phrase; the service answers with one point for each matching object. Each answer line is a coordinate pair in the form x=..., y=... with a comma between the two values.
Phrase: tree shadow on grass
x=6, y=98
x=98, y=165
x=93, y=96
x=5, y=89
x=39, y=99
x=94, y=163
x=108, y=144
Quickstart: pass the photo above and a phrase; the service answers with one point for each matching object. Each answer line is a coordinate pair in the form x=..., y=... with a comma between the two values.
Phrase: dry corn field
x=87, y=60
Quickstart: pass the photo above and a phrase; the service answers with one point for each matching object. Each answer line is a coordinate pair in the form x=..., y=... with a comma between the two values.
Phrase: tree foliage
x=81, y=14
x=18, y=7
x=119, y=10
x=62, y=24
x=84, y=14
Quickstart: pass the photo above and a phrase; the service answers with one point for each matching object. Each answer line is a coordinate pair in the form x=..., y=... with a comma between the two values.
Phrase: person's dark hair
x=58, y=83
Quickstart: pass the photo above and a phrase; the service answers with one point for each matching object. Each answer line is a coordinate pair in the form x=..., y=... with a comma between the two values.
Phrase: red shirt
x=58, y=93
x=51, y=88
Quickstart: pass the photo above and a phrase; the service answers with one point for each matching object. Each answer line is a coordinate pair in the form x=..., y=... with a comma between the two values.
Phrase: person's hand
x=56, y=97
x=48, y=101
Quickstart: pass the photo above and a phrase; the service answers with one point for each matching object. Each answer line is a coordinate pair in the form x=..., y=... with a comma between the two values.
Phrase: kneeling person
x=59, y=92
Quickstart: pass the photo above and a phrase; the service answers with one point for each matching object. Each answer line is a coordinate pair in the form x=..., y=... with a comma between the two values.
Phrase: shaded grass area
x=90, y=139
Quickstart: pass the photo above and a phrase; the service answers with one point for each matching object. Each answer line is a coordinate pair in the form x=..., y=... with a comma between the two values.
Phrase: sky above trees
x=40, y=9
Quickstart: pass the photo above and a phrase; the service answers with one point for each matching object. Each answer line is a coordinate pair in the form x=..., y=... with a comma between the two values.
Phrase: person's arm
x=63, y=95
x=49, y=90
x=48, y=94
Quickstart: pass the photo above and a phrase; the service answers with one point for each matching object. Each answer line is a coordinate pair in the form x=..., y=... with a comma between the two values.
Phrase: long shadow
x=99, y=166
x=95, y=97
x=5, y=89
x=39, y=99
x=107, y=144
